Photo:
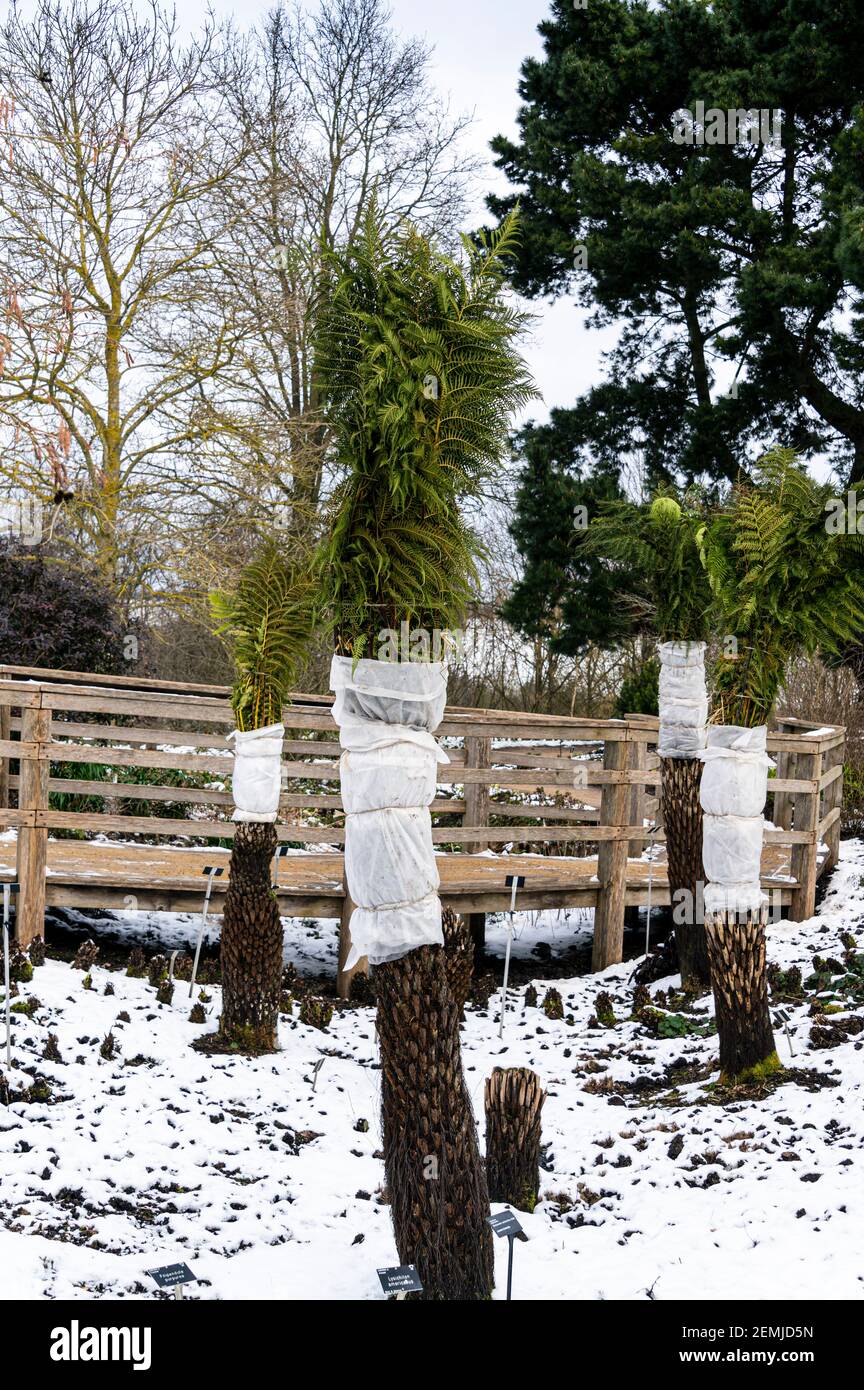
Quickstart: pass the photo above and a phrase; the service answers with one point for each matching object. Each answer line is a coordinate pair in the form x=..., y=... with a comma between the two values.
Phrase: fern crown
x=267, y=621
x=420, y=375
x=653, y=547
x=782, y=584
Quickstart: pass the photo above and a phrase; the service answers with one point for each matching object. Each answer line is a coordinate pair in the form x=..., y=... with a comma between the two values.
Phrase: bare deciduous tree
x=337, y=109
x=167, y=208
x=113, y=136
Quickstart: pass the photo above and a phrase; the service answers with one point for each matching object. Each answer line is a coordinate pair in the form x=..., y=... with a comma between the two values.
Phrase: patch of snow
x=268, y=1189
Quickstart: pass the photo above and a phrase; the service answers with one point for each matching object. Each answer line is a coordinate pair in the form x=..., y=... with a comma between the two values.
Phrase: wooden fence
x=571, y=801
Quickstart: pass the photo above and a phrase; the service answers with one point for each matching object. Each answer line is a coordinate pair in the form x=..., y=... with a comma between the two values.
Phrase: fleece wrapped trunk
x=251, y=940
x=733, y=793
x=683, y=718
x=734, y=789
x=683, y=699
x=255, y=779
x=386, y=714
x=436, y=1180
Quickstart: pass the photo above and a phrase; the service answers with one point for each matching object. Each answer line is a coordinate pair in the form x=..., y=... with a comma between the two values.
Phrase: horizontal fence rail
x=84, y=756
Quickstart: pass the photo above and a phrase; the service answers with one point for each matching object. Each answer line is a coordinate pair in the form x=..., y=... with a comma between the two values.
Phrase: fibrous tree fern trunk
x=682, y=821
x=435, y=1176
x=514, y=1099
x=458, y=955
x=251, y=945
x=736, y=950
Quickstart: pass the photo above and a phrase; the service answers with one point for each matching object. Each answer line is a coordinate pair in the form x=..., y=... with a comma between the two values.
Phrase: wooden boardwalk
x=570, y=804
x=162, y=878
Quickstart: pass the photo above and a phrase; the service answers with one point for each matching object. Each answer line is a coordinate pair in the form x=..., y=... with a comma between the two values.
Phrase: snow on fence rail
x=568, y=783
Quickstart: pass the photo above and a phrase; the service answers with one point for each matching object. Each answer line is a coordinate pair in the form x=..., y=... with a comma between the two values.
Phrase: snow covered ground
x=265, y=1176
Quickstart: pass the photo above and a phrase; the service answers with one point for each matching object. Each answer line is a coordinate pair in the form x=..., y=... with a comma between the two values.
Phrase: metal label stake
x=8, y=890
x=173, y=1277
x=280, y=851
x=400, y=1280
x=782, y=1017
x=653, y=828
x=212, y=872
x=506, y=1223
x=513, y=882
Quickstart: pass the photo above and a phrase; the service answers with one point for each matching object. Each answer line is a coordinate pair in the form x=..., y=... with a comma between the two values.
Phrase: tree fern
x=267, y=621
x=420, y=377
x=654, y=549
x=782, y=584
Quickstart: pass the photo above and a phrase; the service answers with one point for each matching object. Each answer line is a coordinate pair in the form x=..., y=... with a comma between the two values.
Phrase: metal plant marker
x=506, y=1223
x=280, y=851
x=651, y=842
x=781, y=1018
x=8, y=890
x=400, y=1280
x=173, y=1277
x=514, y=882
x=212, y=872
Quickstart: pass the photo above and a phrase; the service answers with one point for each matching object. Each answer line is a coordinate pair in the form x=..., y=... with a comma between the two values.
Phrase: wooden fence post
x=806, y=817
x=478, y=753
x=637, y=761
x=611, y=861
x=782, y=813
x=5, y=734
x=32, y=853
x=832, y=800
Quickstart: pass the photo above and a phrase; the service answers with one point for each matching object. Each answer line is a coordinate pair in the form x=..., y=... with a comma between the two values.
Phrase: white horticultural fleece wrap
x=256, y=774
x=683, y=699
x=734, y=789
x=387, y=713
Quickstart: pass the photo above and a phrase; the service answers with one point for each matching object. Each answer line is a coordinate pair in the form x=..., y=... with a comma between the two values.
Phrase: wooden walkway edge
x=569, y=803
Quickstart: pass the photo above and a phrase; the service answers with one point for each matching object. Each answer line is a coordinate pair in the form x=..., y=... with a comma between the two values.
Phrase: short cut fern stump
x=514, y=1099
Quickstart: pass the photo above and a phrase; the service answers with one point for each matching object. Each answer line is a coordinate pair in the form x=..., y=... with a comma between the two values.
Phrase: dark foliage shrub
x=57, y=616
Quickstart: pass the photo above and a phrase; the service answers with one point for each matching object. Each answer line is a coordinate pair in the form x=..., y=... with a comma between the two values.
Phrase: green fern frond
x=267, y=621
x=782, y=583
x=657, y=550
x=420, y=376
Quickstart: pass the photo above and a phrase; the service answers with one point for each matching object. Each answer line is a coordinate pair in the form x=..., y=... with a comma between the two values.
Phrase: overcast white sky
x=479, y=47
